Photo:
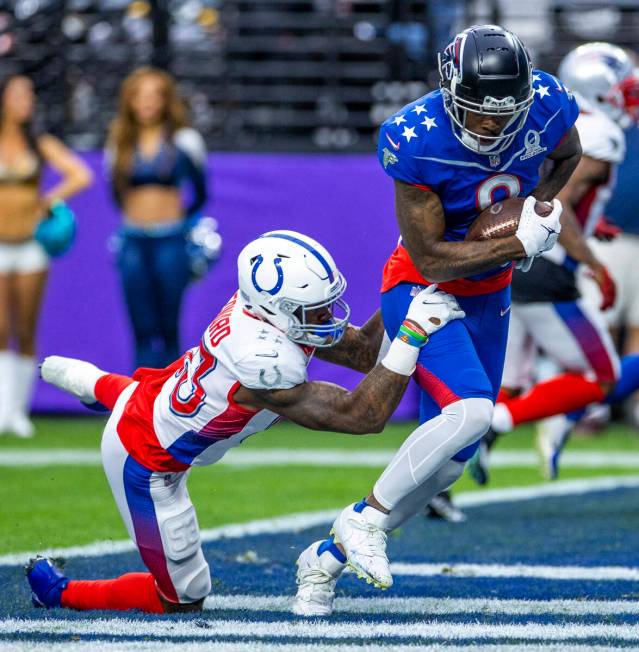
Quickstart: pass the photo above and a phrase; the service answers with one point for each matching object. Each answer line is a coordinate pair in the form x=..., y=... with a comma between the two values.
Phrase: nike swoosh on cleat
x=390, y=140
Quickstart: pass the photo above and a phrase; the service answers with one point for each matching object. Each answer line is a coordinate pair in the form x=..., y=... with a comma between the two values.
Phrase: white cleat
x=363, y=538
x=552, y=435
x=316, y=579
x=74, y=376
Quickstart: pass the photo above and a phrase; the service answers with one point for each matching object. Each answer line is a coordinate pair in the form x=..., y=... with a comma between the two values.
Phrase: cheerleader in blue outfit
x=152, y=154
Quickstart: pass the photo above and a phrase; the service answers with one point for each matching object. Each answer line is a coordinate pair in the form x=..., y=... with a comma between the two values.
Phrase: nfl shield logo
x=494, y=160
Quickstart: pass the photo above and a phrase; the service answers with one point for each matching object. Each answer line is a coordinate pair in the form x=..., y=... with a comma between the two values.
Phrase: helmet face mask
x=305, y=328
x=291, y=281
x=486, y=71
x=629, y=90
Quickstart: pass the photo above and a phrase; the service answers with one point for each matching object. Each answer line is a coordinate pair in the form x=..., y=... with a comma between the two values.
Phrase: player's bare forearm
x=447, y=261
x=572, y=240
x=359, y=347
x=421, y=222
x=589, y=172
x=324, y=406
x=565, y=160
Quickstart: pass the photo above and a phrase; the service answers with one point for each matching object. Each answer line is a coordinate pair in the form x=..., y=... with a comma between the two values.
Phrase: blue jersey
x=417, y=146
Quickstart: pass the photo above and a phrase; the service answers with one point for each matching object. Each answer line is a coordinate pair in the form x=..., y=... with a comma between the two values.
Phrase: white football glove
x=432, y=309
x=538, y=234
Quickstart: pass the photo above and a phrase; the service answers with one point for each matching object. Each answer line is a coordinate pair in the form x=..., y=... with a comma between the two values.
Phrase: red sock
x=559, y=395
x=109, y=387
x=504, y=395
x=130, y=591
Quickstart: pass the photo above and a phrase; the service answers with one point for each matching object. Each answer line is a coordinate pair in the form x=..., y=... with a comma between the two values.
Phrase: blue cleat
x=46, y=581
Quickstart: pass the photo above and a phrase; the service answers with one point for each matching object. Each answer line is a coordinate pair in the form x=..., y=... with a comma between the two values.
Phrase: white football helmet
x=283, y=276
x=595, y=72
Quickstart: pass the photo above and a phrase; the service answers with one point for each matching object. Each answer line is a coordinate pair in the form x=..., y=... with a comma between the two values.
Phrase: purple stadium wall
x=344, y=201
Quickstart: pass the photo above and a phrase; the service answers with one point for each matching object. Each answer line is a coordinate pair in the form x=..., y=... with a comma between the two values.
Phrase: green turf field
x=53, y=506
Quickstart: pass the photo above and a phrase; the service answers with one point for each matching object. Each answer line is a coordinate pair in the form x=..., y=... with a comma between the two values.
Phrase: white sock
x=430, y=446
x=7, y=380
x=329, y=562
x=502, y=419
x=25, y=367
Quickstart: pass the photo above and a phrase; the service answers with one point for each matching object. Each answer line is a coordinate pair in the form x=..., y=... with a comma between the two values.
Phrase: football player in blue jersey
x=480, y=138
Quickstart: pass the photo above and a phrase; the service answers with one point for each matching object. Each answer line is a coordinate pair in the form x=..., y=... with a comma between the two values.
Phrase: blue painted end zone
x=598, y=529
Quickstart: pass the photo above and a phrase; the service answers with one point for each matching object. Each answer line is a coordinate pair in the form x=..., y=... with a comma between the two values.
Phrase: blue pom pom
x=56, y=232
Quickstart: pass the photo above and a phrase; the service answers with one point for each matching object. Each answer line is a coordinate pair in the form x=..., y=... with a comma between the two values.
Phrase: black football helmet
x=486, y=69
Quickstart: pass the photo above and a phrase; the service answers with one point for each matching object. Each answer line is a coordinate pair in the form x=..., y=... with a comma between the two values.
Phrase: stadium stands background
x=270, y=84
x=276, y=75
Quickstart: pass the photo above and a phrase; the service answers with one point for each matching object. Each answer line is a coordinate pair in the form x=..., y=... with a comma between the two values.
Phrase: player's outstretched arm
x=589, y=172
x=324, y=406
x=421, y=221
x=359, y=347
x=565, y=160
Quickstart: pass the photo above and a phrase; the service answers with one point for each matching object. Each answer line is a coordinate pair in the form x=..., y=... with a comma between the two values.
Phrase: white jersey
x=192, y=417
x=603, y=140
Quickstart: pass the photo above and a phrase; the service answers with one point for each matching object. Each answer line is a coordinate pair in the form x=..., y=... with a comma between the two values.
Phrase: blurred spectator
x=23, y=260
x=152, y=153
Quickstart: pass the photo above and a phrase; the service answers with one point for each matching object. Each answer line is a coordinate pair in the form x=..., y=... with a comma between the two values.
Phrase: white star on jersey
x=428, y=122
x=399, y=119
x=419, y=109
x=408, y=133
x=542, y=90
x=536, y=78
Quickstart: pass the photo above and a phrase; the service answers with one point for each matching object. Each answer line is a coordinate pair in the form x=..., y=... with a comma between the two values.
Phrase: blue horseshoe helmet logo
x=280, y=275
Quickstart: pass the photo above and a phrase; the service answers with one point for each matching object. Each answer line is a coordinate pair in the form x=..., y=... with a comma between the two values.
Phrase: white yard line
x=13, y=457
x=434, y=606
x=596, y=573
x=258, y=646
x=302, y=521
x=323, y=630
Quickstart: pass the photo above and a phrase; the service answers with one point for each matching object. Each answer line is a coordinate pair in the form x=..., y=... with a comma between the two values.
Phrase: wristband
x=413, y=334
x=401, y=357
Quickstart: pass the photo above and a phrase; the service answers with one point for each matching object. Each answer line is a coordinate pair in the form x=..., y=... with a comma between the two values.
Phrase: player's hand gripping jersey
x=185, y=414
x=417, y=146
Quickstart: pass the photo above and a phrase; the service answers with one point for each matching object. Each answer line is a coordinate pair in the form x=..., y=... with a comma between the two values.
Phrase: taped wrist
x=404, y=350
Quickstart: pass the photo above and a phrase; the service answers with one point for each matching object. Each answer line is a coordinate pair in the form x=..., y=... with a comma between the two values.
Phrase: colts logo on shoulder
x=280, y=275
x=270, y=377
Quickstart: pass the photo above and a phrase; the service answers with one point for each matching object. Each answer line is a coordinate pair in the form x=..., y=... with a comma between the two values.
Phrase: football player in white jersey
x=548, y=312
x=248, y=370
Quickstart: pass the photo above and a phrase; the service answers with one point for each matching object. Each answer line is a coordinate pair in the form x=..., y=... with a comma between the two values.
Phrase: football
x=502, y=219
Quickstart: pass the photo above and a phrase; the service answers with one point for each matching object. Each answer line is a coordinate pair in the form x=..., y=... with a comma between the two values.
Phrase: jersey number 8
x=487, y=189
